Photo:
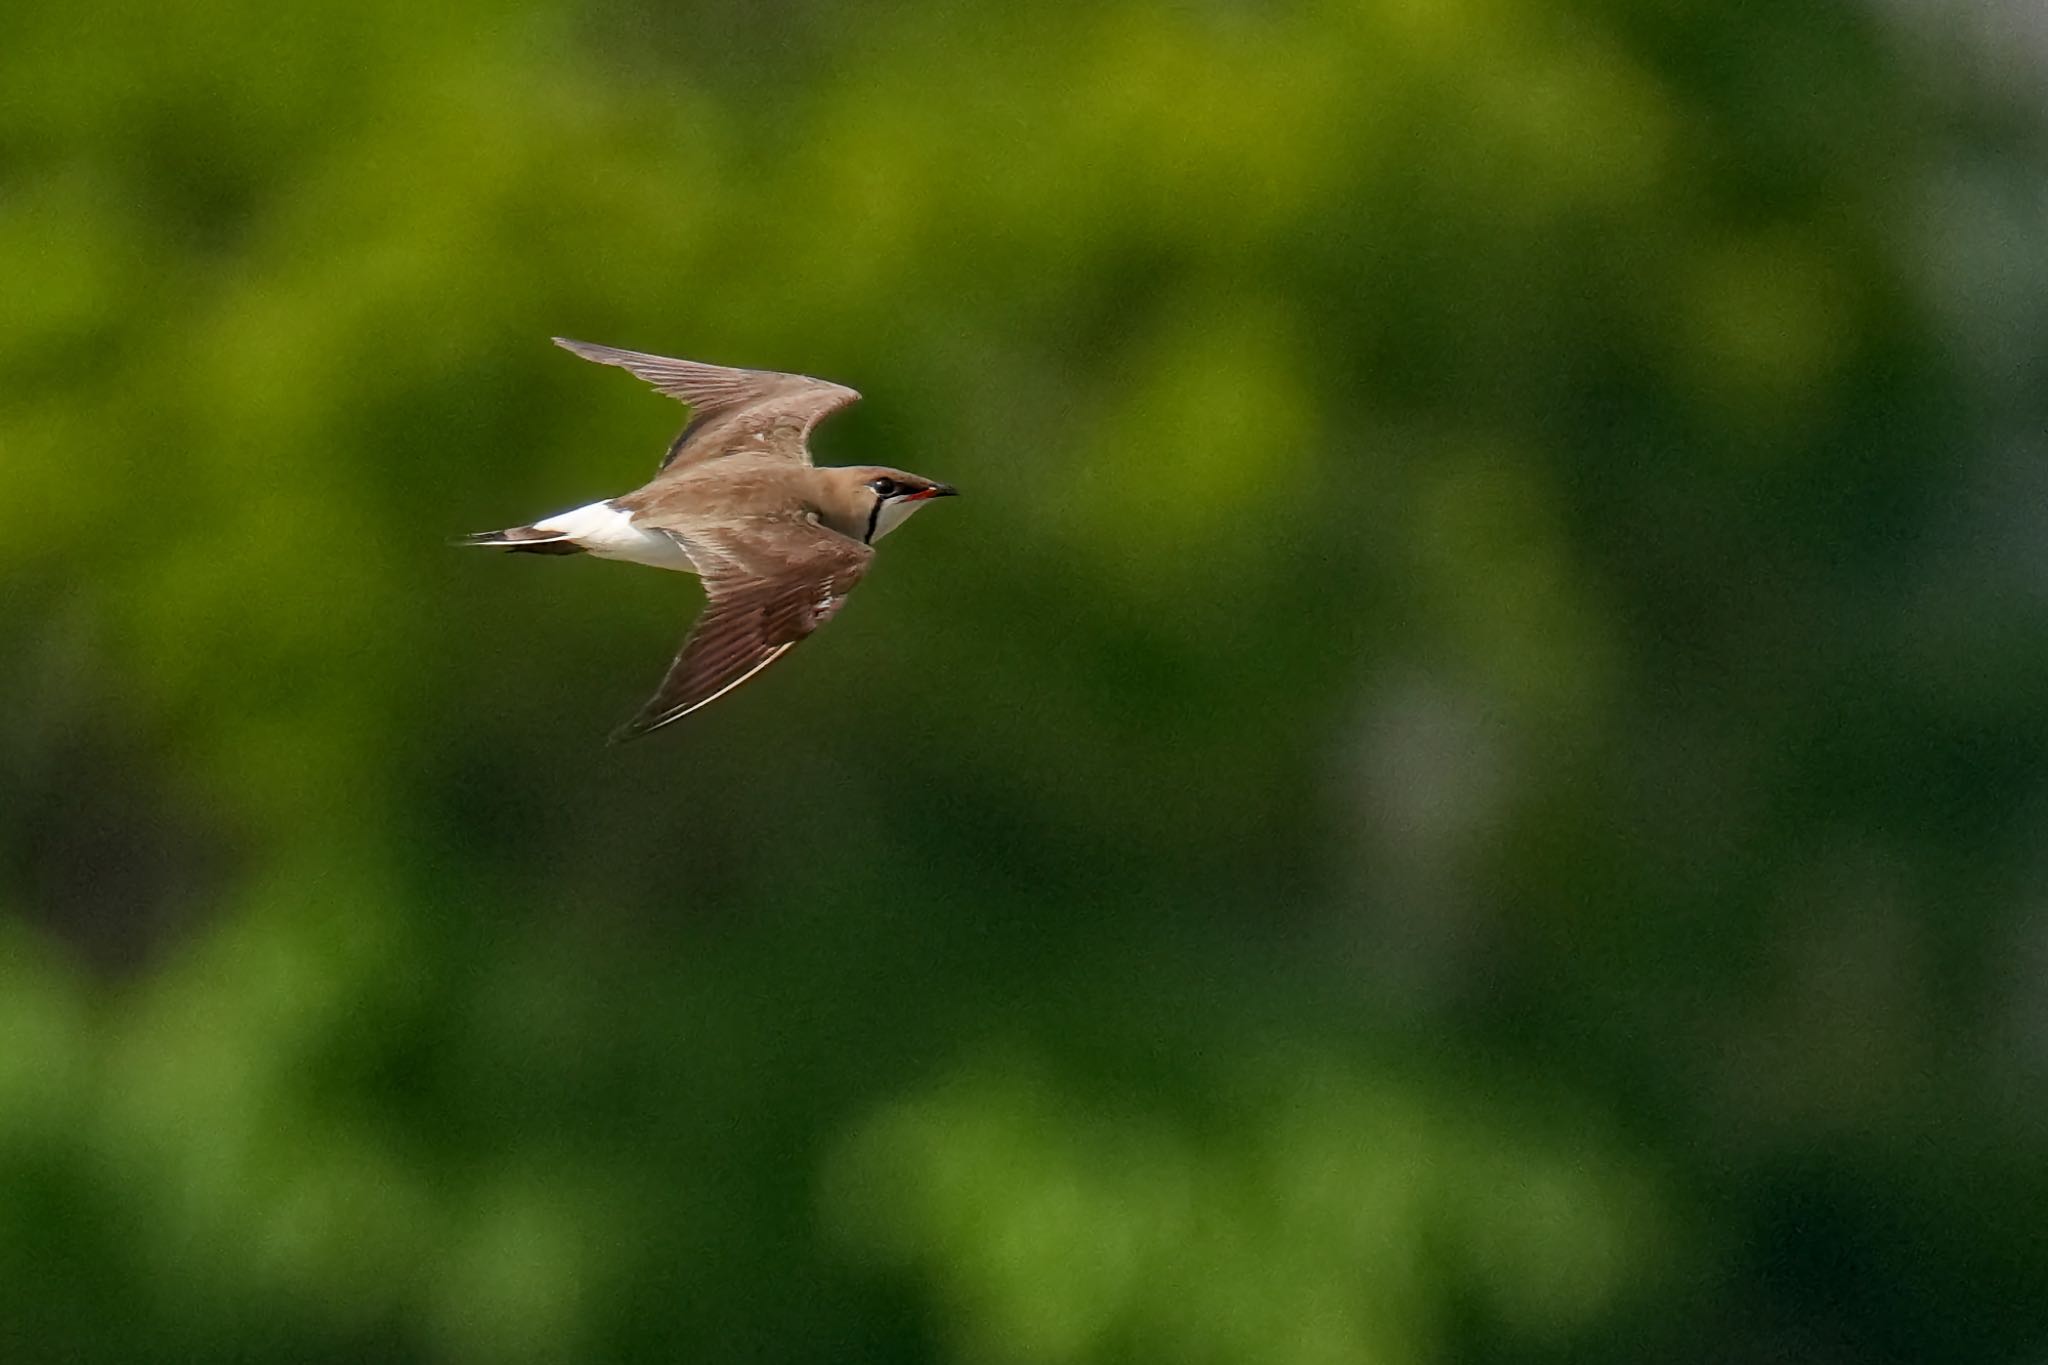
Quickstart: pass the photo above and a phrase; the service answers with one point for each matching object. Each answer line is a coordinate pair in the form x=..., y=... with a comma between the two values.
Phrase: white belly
x=603, y=530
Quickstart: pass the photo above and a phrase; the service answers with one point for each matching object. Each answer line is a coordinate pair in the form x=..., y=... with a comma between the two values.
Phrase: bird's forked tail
x=525, y=540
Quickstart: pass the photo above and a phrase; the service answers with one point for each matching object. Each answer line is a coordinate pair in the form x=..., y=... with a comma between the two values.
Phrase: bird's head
x=885, y=498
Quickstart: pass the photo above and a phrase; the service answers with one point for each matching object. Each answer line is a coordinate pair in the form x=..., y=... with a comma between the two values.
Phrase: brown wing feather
x=765, y=592
x=762, y=411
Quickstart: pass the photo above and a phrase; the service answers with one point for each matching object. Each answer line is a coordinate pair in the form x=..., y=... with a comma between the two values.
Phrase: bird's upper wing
x=768, y=585
x=762, y=412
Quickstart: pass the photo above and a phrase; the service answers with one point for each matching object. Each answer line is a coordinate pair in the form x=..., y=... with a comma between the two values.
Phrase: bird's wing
x=768, y=585
x=761, y=412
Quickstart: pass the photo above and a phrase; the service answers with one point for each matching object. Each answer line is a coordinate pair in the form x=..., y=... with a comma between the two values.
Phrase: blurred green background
x=1467, y=783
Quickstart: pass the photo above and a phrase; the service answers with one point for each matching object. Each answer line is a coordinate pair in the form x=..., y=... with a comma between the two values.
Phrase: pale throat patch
x=894, y=513
x=605, y=531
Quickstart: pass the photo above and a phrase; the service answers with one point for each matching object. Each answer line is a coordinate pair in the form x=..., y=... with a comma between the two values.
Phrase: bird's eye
x=885, y=488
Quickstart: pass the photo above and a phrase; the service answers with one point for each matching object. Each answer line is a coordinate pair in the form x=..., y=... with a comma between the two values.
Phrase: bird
x=777, y=541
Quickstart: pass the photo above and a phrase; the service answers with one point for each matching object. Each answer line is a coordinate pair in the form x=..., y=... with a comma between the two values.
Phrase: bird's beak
x=937, y=490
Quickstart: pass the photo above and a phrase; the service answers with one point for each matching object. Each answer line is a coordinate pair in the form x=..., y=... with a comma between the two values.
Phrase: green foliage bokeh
x=1465, y=782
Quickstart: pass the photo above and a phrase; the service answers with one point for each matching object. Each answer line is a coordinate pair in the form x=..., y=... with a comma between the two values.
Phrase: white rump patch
x=605, y=531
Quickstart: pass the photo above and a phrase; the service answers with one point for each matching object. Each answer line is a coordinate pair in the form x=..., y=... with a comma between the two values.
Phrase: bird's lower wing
x=765, y=594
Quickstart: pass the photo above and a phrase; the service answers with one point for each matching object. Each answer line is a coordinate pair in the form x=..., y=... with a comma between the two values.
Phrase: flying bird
x=778, y=542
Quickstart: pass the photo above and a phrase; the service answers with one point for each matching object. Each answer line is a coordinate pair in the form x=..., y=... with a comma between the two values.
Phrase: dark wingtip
x=631, y=730
x=589, y=350
x=627, y=733
x=644, y=724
